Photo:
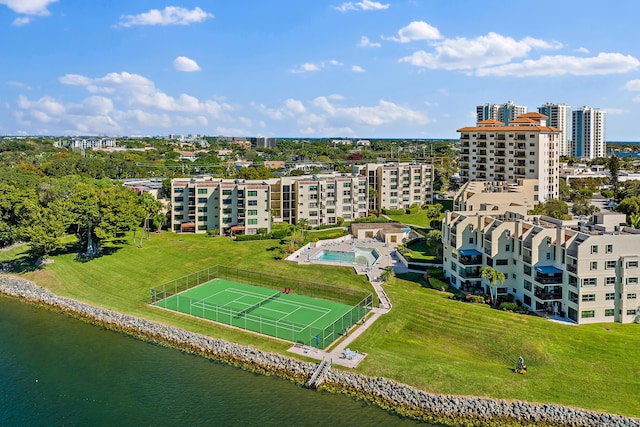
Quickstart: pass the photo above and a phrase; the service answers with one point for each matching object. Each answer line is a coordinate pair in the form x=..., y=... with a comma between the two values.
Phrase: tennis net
x=258, y=304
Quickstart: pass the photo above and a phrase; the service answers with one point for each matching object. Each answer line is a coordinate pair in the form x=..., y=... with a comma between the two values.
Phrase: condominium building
x=201, y=205
x=319, y=199
x=399, y=185
x=585, y=272
x=588, y=133
x=503, y=113
x=526, y=148
x=214, y=205
x=491, y=196
x=558, y=117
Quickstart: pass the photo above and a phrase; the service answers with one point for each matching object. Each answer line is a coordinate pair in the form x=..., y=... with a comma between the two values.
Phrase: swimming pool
x=360, y=256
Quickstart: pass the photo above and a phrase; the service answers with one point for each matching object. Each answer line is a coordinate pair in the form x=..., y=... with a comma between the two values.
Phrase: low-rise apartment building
x=586, y=272
x=202, y=205
x=245, y=206
x=399, y=185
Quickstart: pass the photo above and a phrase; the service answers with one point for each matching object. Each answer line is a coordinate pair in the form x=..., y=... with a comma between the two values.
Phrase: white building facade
x=588, y=133
x=558, y=116
x=579, y=271
x=527, y=148
x=503, y=113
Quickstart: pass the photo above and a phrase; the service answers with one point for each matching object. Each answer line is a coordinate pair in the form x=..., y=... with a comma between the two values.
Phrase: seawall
x=401, y=398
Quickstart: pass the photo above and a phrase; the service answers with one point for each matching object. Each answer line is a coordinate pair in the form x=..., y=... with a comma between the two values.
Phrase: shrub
x=393, y=211
x=477, y=299
x=280, y=234
x=509, y=306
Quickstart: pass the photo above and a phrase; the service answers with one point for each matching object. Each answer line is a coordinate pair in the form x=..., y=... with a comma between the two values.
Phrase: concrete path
x=338, y=352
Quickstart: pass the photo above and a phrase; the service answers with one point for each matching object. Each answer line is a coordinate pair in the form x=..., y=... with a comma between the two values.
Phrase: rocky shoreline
x=401, y=398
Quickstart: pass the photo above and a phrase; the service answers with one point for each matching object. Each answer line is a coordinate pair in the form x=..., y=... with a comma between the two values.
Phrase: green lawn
x=427, y=340
x=419, y=219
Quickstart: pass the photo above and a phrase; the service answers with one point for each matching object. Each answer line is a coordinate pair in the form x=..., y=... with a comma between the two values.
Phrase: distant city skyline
x=356, y=69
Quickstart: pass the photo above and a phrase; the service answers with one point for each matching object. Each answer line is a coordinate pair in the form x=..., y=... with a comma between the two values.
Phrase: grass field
x=427, y=340
x=292, y=317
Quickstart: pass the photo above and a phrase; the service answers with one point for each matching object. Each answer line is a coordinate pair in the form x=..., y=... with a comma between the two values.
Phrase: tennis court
x=282, y=314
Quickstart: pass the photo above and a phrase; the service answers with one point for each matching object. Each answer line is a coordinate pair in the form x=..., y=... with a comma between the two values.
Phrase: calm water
x=55, y=370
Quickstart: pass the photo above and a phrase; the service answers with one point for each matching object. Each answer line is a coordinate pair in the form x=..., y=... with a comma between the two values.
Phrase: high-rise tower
x=558, y=117
x=588, y=133
x=504, y=113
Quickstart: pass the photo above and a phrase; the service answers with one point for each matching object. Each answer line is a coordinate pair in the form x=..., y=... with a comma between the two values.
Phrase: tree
x=553, y=207
x=150, y=207
x=433, y=212
x=42, y=227
x=494, y=277
x=434, y=240
x=629, y=206
x=634, y=220
x=614, y=169
x=582, y=207
x=303, y=225
x=387, y=274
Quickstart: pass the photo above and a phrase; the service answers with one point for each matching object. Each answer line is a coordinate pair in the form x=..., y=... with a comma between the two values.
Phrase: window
x=527, y=285
x=594, y=265
x=631, y=312
x=202, y=200
x=610, y=296
x=227, y=192
x=252, y=193
x=202, y=218
x=588, y=297
x=632, y=280
x=588, y=314
x=227, y=201
x=178, y=199
x=502, y=262
x=594, y=249
x=178, y=208
x=611, y=264
x=573, y=297
x=252, y=212
x=608, y=312
x=631, y=296
x=591, y=281
x=609, y=249
x=227, y=210
x=202, y=208
x=507, y=248
x=227, y=220
x=202, y=191
x=252, y=221
x=632, y=264
x=253, y=203
x=178, y=190
x=346, y=185
x=610, y=281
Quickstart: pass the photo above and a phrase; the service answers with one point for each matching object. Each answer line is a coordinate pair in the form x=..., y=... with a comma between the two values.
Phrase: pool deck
x=373, y=273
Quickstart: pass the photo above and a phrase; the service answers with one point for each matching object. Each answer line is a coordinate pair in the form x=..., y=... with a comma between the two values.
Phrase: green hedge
x=247, y=237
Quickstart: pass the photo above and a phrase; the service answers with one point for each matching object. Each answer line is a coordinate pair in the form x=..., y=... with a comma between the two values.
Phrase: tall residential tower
x=558, y=117
x=588, y=133
x=525, y=149
x=503, y=113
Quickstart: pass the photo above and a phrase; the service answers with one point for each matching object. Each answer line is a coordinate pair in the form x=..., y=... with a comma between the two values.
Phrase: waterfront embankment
x=447, y=409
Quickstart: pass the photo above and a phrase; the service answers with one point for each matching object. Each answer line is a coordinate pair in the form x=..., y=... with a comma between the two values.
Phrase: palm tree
x=493, y=276
x=634, y=220
x=303, y=224
x=387, y=274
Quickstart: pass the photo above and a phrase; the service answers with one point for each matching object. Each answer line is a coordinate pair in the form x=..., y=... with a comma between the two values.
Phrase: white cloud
x=18, y=84
x=170, y=15
x=483, y=51
x=633, y=85
x=357, y=69
x=416, y=30
x=182, y=63
x=582, y=50
x=323, y=115
x=45, y=104
x=362, y=5
x=561, y=65
x=20, y=22
x=308, y=66
x=365, y=42
x=29, y=7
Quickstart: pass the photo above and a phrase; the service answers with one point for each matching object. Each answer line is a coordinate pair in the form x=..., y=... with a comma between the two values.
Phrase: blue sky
x=293, y=68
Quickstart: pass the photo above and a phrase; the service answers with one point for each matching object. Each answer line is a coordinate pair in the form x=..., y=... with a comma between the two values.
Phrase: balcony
x=572, y=253
x=470, y=273
x=470, y=257
x=549, y=293
x=572, y=268
x=548, y=275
